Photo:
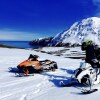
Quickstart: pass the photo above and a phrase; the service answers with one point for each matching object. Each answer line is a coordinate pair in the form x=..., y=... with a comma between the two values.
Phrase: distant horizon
x=32, y=19
x=16, y=40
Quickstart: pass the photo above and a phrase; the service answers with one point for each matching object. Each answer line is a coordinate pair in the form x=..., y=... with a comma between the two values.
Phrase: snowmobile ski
x=84, y=91
x=23, y=75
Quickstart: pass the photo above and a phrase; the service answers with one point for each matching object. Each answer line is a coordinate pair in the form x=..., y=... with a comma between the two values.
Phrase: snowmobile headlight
x=33, y=65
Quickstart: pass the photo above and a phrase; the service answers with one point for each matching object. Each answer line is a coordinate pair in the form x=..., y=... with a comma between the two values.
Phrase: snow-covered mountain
x=86, y=29
x=41, y=41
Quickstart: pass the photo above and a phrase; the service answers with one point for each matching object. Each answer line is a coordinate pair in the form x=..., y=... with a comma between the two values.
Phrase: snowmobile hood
x=28, y=63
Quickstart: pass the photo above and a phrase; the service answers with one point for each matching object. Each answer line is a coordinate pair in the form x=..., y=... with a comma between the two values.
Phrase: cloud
x=97, y=5
x=15, y=35
x=96, y=1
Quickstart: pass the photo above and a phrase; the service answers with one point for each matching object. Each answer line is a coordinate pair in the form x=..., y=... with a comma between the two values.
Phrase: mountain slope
x=86, y=29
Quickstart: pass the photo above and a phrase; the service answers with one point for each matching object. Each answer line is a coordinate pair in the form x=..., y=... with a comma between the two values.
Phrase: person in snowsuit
x=89, y=47
x=97, y=52
x=91, y=56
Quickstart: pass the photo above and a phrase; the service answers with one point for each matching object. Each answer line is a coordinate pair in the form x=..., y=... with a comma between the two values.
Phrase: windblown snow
x=44, y=86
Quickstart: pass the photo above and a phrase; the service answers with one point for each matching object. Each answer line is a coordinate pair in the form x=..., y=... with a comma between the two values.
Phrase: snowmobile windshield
x=84, y=65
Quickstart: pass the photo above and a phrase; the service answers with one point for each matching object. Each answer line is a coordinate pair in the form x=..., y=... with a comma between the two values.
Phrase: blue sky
x=30, y=19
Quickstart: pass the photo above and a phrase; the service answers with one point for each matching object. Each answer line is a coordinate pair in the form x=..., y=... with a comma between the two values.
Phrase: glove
x=95, y=61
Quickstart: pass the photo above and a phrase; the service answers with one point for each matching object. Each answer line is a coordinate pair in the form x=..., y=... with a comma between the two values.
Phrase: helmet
x=89, y=42
x=86, y=43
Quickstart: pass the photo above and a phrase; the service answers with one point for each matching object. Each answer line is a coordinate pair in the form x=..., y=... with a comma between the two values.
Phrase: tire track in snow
x=43, y=88
x=10, y=87
x=20, y=80
x=23, y=97
x=32, y=91
x=15, y=91
x=15, y=82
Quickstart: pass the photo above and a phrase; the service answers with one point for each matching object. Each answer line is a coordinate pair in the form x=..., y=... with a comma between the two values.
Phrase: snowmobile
x=32, y=66
x=87, y=76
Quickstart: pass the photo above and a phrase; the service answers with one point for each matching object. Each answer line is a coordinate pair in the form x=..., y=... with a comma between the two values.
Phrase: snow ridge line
x=31, y=90
x=16, y=82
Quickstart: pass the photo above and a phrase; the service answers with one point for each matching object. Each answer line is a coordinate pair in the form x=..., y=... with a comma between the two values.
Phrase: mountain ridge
x=80, y=31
